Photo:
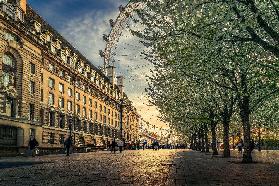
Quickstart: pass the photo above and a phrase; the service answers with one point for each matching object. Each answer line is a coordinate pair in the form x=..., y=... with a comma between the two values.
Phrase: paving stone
x=162, y=168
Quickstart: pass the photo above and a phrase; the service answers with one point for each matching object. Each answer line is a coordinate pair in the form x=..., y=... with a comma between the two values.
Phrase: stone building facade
x=49, y=89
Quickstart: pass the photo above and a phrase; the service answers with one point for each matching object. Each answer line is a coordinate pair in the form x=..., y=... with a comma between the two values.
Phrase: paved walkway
x=163, y=167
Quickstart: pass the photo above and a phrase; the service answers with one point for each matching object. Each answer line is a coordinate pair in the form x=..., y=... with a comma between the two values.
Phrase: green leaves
x=208, y=54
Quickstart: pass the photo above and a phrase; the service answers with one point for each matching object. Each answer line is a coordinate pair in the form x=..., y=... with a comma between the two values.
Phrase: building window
x=51, y=138
x=101, y=118
x=42, y=77
x=61, y=87
x=32, y=87
x=90, y=114
x=84, y=111
x=77, y=109
x=105, y=120
x=70, y=106
x=90, y=102
x=95, y=116
x=84, y=100
x=101, y=108
x=42, y=116
x=61, y=102
x=51, y=99
x=77, y=96
x=32, y=68
x=61, y=121
x=68, y=60
x=51, y=83
x=70, y=92
x=9, y=36
x=8, y=60
x=78, y=124
x=51, y=118
x=91, y=128
x=8, y=74
x=42, y=95
x=105, y=109
x=96, y=104
x=109, y=112
x=31, y=112
x=84, y=126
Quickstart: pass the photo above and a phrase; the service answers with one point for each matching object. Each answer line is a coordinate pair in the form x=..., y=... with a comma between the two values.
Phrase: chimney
x=120, y=84
x=111, y=74
x=23, y=5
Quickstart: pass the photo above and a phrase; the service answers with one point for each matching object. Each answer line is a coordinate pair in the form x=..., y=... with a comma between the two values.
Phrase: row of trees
x=216, y=62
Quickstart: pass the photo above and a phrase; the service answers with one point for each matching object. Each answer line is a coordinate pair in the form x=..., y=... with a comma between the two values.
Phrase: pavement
x=138, y=167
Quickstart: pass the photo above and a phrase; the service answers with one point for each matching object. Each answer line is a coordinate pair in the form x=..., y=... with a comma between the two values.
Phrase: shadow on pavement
x=5, y=165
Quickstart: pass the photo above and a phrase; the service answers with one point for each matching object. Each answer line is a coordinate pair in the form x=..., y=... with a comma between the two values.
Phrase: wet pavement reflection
x=148, y=167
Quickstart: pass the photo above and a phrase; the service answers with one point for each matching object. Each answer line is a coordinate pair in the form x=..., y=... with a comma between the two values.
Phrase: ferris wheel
x=117, y=26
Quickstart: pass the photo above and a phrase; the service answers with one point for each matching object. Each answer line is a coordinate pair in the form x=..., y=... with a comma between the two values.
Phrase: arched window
x=9, y=60
x=8, y=77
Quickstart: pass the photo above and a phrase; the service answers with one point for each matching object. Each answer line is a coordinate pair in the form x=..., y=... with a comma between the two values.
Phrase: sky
x=83, y=23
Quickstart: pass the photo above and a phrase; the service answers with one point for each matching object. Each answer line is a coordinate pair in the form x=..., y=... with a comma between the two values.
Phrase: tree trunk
x=259, y=140
x=214, y=139
x=244, y=114
x=206, y=138
x=226, y=127
x=202, y=139
x=192, y=142
x=213, y=125
x=244, y=106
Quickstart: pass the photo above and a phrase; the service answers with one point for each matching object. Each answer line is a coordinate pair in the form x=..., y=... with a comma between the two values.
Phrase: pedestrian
x=251, y=145
x=144, y=144
x=68, y=144
x=240, y=145
x=120, y=145
x=113, y=146
x=33, y=143
x=138, y=145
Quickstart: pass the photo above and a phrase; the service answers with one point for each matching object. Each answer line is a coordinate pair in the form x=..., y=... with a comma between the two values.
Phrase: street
x=148, y=167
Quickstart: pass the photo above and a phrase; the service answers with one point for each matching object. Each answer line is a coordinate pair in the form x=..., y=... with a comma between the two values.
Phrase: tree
x=213, y=42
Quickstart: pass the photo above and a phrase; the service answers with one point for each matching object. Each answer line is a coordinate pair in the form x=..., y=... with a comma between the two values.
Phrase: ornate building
x=48, y=89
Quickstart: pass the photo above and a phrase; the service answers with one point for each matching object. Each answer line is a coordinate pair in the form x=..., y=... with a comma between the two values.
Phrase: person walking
x=251, y=145
x=113, y=145
x=240, y=145
x=33, y=143
x=68, y=144
x=120, y=145
x=144, y=144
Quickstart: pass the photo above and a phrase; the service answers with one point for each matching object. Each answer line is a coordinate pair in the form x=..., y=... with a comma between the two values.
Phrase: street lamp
x=121, y=118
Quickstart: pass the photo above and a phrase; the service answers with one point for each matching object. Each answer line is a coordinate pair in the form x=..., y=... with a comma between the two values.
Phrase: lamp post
x=121, y=118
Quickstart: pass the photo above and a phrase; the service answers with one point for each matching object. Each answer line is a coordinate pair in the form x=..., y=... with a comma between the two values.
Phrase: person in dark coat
x=113, y=145
x=33, y=143
x=68, y=144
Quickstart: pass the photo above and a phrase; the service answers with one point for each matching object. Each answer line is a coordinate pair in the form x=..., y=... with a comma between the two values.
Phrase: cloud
x=85, y=33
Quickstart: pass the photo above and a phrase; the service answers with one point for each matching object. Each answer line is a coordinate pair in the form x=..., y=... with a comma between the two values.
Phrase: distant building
x=48, y=88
